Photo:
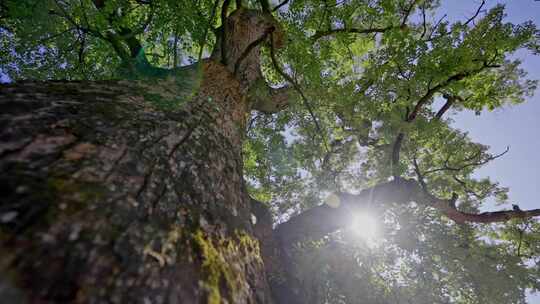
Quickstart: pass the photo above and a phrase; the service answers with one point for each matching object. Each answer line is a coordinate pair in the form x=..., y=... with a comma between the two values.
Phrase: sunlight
x=364, y=226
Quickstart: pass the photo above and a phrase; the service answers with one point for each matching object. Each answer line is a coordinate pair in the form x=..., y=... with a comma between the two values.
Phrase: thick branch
x=431, y=91
x=269, y=100
x=246, y=31
x=395, y=154
x=322, y=220
x=485, y=217
x=224, y=31
x=450, y=99
x=454, y=78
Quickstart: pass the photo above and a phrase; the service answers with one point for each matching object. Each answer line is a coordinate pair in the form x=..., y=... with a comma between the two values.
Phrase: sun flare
x=364, y=226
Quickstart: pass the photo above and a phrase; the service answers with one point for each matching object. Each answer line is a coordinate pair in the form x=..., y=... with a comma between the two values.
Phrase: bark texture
x=106, y=198
x=132, y=192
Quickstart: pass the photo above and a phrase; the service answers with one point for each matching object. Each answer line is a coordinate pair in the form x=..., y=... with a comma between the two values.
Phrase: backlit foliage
x=371, y=70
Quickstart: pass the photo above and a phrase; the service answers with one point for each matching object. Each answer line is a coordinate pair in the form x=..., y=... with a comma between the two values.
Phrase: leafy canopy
x=382, y=79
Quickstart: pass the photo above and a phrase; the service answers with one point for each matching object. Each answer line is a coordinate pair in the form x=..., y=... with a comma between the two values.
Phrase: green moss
x=218, y=257
x=249, y=245
x=214, y=266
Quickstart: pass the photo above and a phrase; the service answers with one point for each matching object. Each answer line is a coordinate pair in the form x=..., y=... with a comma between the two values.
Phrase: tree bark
x=106, y=198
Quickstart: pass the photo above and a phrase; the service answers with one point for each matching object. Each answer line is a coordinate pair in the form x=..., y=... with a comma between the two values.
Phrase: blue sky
x=517, y=126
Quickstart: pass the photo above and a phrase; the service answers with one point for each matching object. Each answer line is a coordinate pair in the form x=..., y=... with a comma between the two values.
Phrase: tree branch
x=265, y=6
x=454, y=78
x=469, y=191
x=250, y=47
x=297, y=88
x=109, y=37
x=126, y=35
x=208, y=26
x=269, y=100
x=82, y=39
x=476, y=14
x=419, y=174
x=406, y=13
x=52, y=36
x=424, y=27
x=430, y=37
x=467, y=164
x=323, y=219
x=64, y=14
x=410, y=116
x=319, y=221
x=395, y=154
x=280, y=5
x=224, y=26
x=450, y=100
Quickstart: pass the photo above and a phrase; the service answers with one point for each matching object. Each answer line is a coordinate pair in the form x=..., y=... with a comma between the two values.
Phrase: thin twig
x=475, y=14
x=424, y=31
x=408, y=13
x=280, y=5
x=447, y=167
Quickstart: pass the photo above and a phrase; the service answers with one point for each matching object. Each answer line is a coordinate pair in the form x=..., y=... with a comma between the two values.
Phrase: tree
x=144, y=176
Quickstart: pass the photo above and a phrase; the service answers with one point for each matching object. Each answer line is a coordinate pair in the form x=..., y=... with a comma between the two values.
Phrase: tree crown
x=374, y=85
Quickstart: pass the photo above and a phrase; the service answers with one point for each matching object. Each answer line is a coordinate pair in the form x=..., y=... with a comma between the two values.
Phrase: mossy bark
x=107, y=198
x=132, y=191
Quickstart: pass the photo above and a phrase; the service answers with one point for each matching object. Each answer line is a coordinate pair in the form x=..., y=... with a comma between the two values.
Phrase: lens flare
x=364, y=226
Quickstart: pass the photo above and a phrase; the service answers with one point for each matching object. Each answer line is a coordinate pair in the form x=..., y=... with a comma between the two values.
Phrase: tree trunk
x=106, y=198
